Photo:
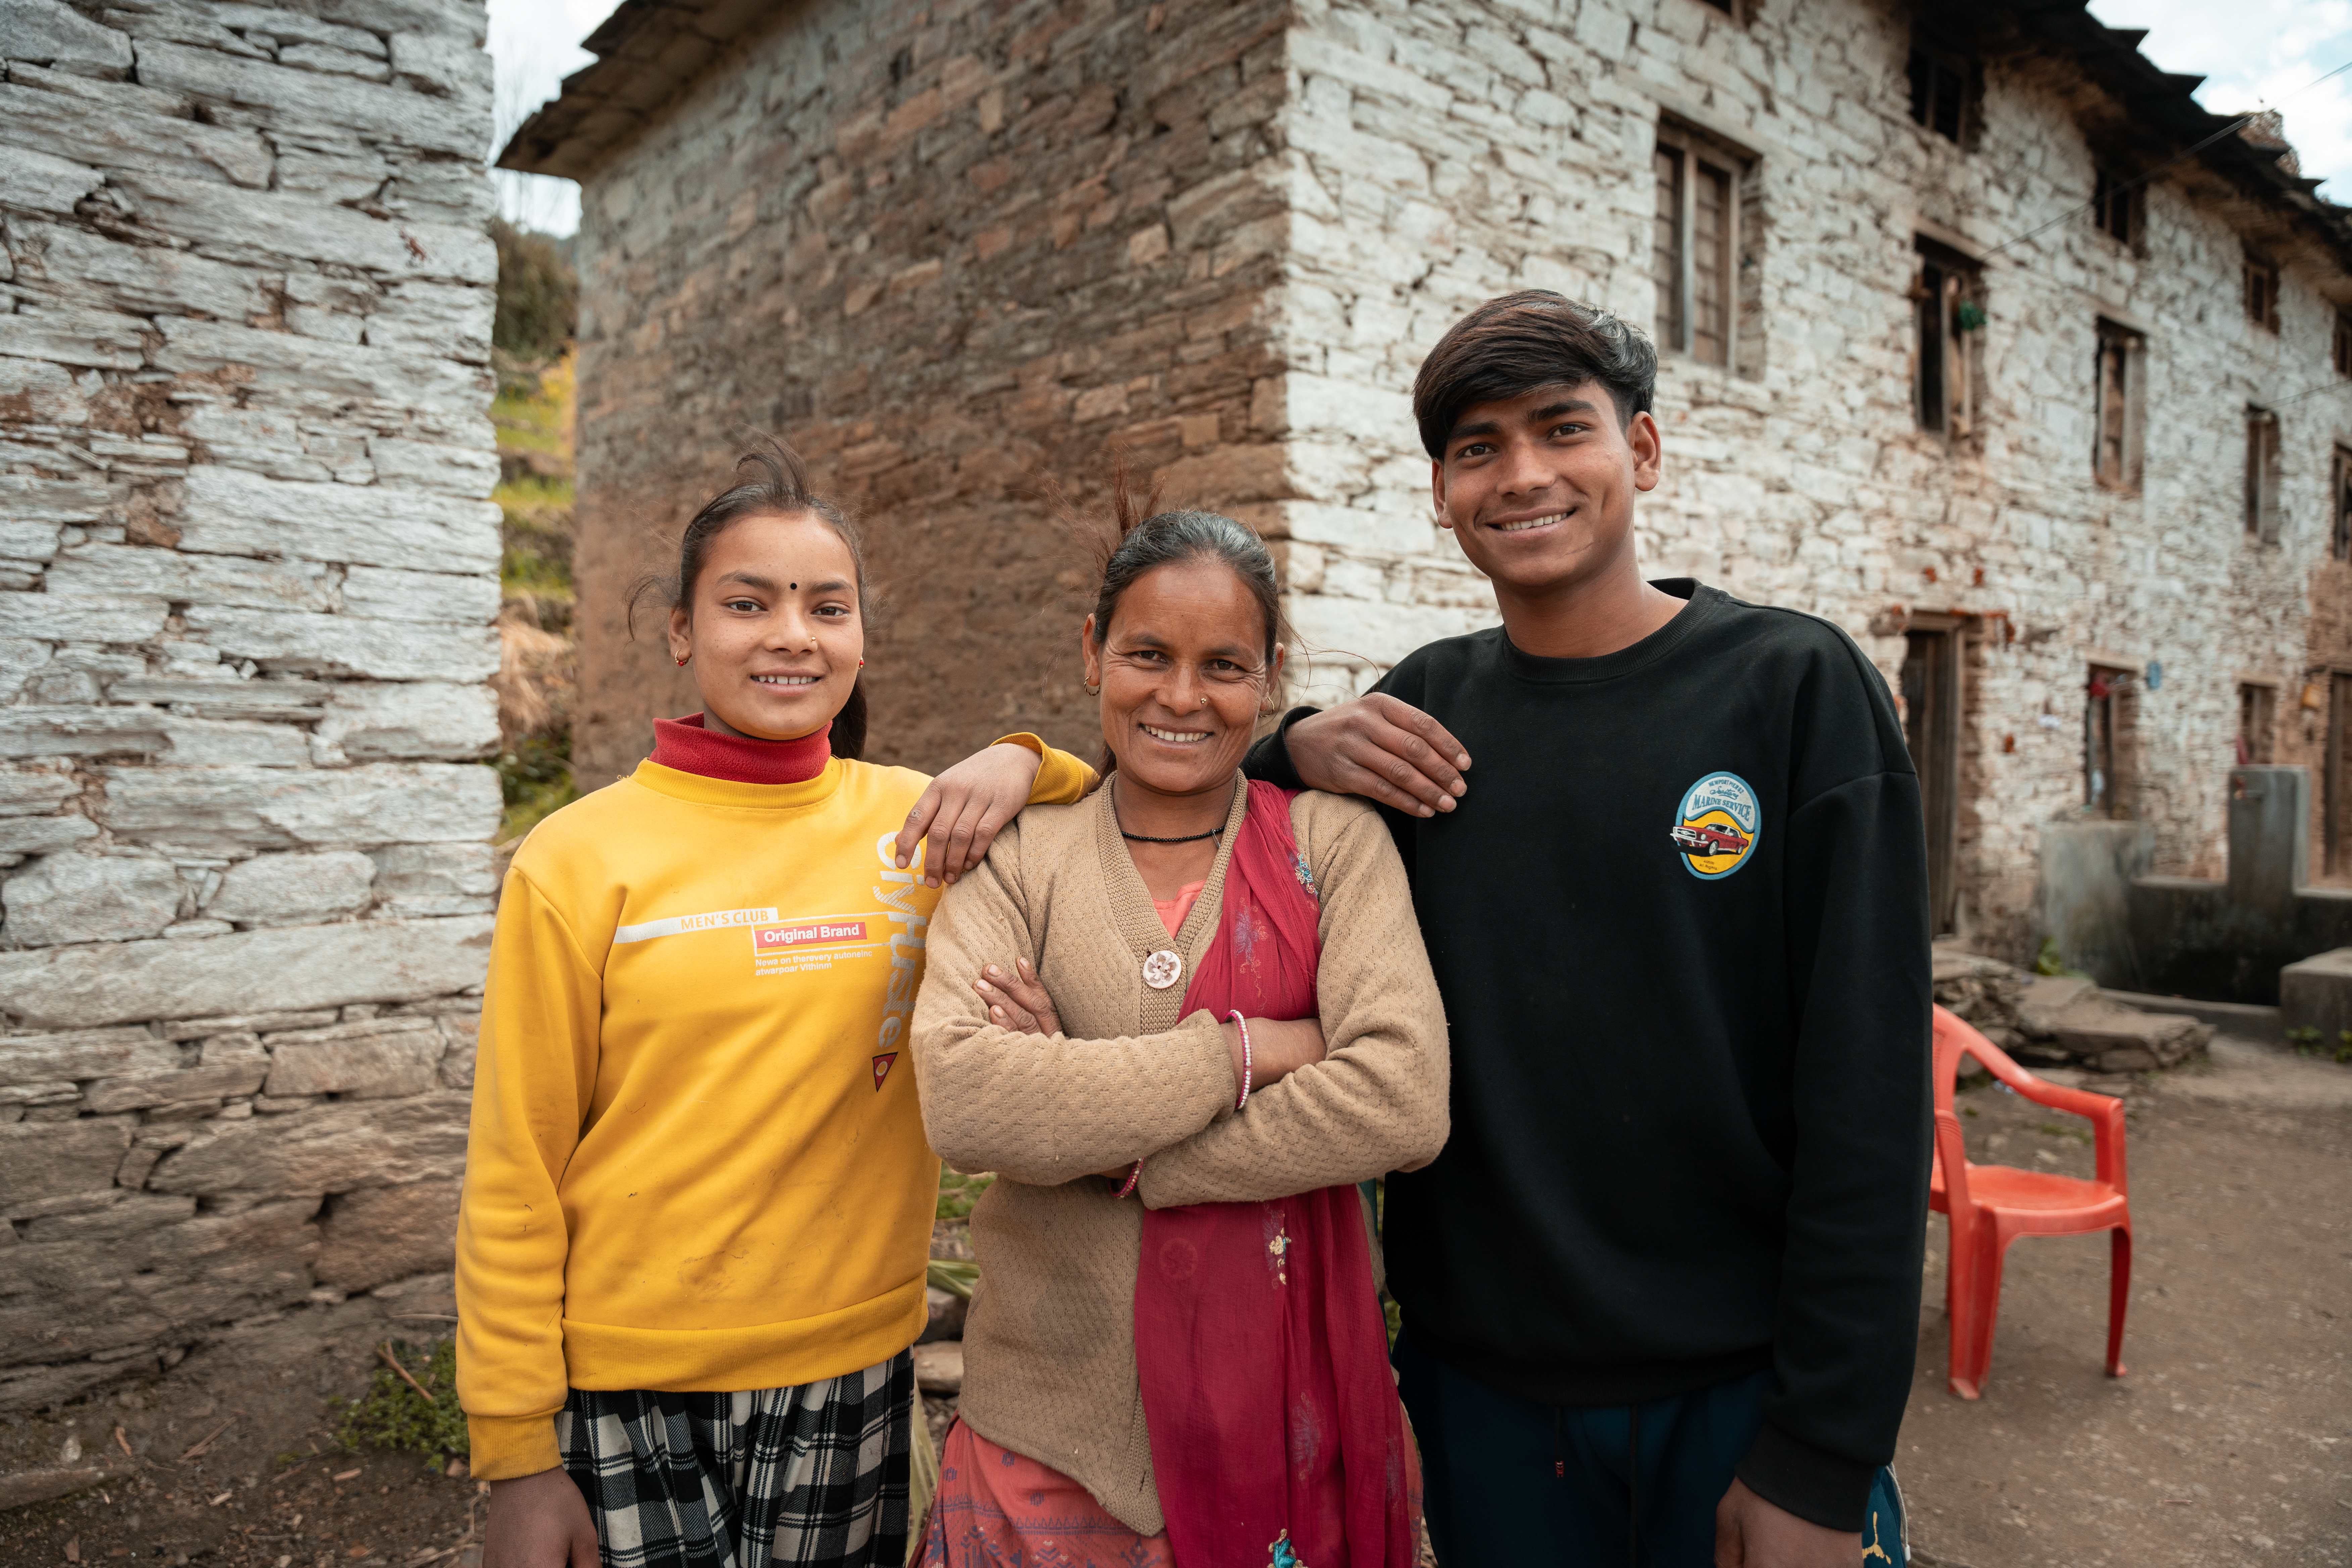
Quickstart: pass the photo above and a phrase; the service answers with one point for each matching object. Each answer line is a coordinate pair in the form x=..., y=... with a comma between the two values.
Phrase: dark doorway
x=2336, y=778
x=1931, y=725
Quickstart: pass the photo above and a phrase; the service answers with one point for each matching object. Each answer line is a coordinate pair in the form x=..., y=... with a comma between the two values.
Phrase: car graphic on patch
x=1706, y=838
x=1716, y=825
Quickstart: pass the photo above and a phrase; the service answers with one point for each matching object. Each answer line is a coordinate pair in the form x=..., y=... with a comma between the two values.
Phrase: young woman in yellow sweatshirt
x=698, y=1200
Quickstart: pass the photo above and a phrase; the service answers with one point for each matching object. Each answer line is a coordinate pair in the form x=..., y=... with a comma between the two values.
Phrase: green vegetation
x=953, y=1275
x=393, y=1414
x=2047, y=961
x=539, y=293
x=535, y=777
x=957, y=1193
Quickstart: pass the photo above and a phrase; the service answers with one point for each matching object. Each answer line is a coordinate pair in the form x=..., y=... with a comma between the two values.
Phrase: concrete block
x=75, y=897
x=314, y=966
x=378, y=1235
x=2270, y=839
x=2316, y=994
x=292, y=890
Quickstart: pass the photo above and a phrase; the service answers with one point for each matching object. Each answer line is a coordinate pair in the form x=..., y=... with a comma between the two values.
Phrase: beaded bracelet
x=1243, y=1025
x=1133, y=1177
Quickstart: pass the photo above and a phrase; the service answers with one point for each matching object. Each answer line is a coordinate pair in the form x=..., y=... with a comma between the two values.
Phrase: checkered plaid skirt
x=813, y=1477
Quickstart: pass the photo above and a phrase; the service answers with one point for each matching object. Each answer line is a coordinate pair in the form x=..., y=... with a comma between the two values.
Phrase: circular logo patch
x=1717, y=826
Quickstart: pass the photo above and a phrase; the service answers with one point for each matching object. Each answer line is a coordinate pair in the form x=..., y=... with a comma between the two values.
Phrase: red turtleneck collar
x=686, y=745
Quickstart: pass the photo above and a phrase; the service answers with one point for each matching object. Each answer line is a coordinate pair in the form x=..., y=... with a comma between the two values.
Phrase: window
x=2261, y=475
x=2339, y=505
x=2114, y=458
x=1950, y=295
x=2110, y=737
x=2114, y=207
x=1942, y=86
x=2342, y=341
x=1701, y=255
x=2257, y=721
x=2261, y=293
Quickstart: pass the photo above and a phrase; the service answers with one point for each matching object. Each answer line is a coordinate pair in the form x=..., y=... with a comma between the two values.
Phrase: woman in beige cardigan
x=1180, y=1019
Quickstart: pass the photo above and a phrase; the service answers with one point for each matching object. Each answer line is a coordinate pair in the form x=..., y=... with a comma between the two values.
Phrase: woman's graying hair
x=777, y=487
x=1146, y=539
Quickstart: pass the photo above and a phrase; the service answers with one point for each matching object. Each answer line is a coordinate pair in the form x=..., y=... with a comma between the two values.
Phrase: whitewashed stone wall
x=1439, y=152
x=248, y=571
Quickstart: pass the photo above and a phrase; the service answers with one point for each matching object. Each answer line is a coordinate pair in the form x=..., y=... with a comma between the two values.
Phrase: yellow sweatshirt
x=696, y=1161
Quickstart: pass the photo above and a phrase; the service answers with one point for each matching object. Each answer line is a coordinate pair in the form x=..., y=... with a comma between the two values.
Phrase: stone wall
x=948, y=248
x=947, y=251
x=1439, y=152
x=247, y=575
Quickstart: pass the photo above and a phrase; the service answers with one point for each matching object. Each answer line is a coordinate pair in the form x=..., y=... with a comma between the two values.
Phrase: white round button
x=1162, y=969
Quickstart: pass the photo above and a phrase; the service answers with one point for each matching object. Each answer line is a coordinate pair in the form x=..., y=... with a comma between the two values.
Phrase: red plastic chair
x=1991, y=1206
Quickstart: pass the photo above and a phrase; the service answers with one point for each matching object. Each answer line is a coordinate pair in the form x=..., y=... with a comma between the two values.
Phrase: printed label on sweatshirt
x=808, y=944
x=1717, y=826
x=680, y=925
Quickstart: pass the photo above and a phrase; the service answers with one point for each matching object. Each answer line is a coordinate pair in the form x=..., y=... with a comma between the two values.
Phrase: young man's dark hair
x=1520, y=342
x=1660, y=1289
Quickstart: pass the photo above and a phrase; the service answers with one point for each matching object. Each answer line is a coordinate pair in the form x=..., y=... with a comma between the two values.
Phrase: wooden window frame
x=2114, y=338
x=1942, y=68
x=2262, y=277
x=2264, y=475
x=2257, y=723
x=2110, y=742
x=2340, y=503
x=1944, y=371
x=1695, y=151
x=2116, y=208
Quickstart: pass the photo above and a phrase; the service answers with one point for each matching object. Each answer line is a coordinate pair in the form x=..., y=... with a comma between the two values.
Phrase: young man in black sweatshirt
x=1661, y=1291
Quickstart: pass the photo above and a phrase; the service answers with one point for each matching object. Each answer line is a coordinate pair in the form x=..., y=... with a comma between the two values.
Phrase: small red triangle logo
x=882, y=1069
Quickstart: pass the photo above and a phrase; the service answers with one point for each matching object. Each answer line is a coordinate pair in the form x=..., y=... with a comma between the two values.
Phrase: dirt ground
x=232, y=1462
x=2229, y=1441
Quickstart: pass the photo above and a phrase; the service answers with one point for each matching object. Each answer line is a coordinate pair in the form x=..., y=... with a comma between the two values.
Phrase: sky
x=2252, y=54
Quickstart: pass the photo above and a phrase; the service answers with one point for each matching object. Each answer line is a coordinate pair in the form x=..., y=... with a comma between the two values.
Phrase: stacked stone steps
x=2062, y=1021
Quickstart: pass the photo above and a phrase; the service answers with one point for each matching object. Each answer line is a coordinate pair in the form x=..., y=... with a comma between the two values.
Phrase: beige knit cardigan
x=1049, y=1346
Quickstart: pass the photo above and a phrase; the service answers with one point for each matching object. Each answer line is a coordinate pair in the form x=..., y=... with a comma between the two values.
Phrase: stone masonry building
x=1980, y=338
x=247, y=573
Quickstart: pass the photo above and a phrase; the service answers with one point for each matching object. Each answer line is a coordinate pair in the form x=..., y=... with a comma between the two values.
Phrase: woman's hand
x=1278, y=1048
x=1018, y=1001
x=539, y=1521
x=964, y=808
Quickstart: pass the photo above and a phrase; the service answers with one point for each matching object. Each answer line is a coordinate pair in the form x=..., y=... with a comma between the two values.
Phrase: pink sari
x=1276, y=1437
x=1276, y=1434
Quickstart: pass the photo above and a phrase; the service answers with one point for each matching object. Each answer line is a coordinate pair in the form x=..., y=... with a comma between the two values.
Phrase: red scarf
x=688, y=746
x=1259, y=1338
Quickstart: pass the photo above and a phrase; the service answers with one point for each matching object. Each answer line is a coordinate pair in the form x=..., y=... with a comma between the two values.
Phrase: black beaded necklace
x=1146, y=838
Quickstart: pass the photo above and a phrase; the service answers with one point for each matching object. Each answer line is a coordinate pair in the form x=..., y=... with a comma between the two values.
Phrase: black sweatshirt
x=1680, y=921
